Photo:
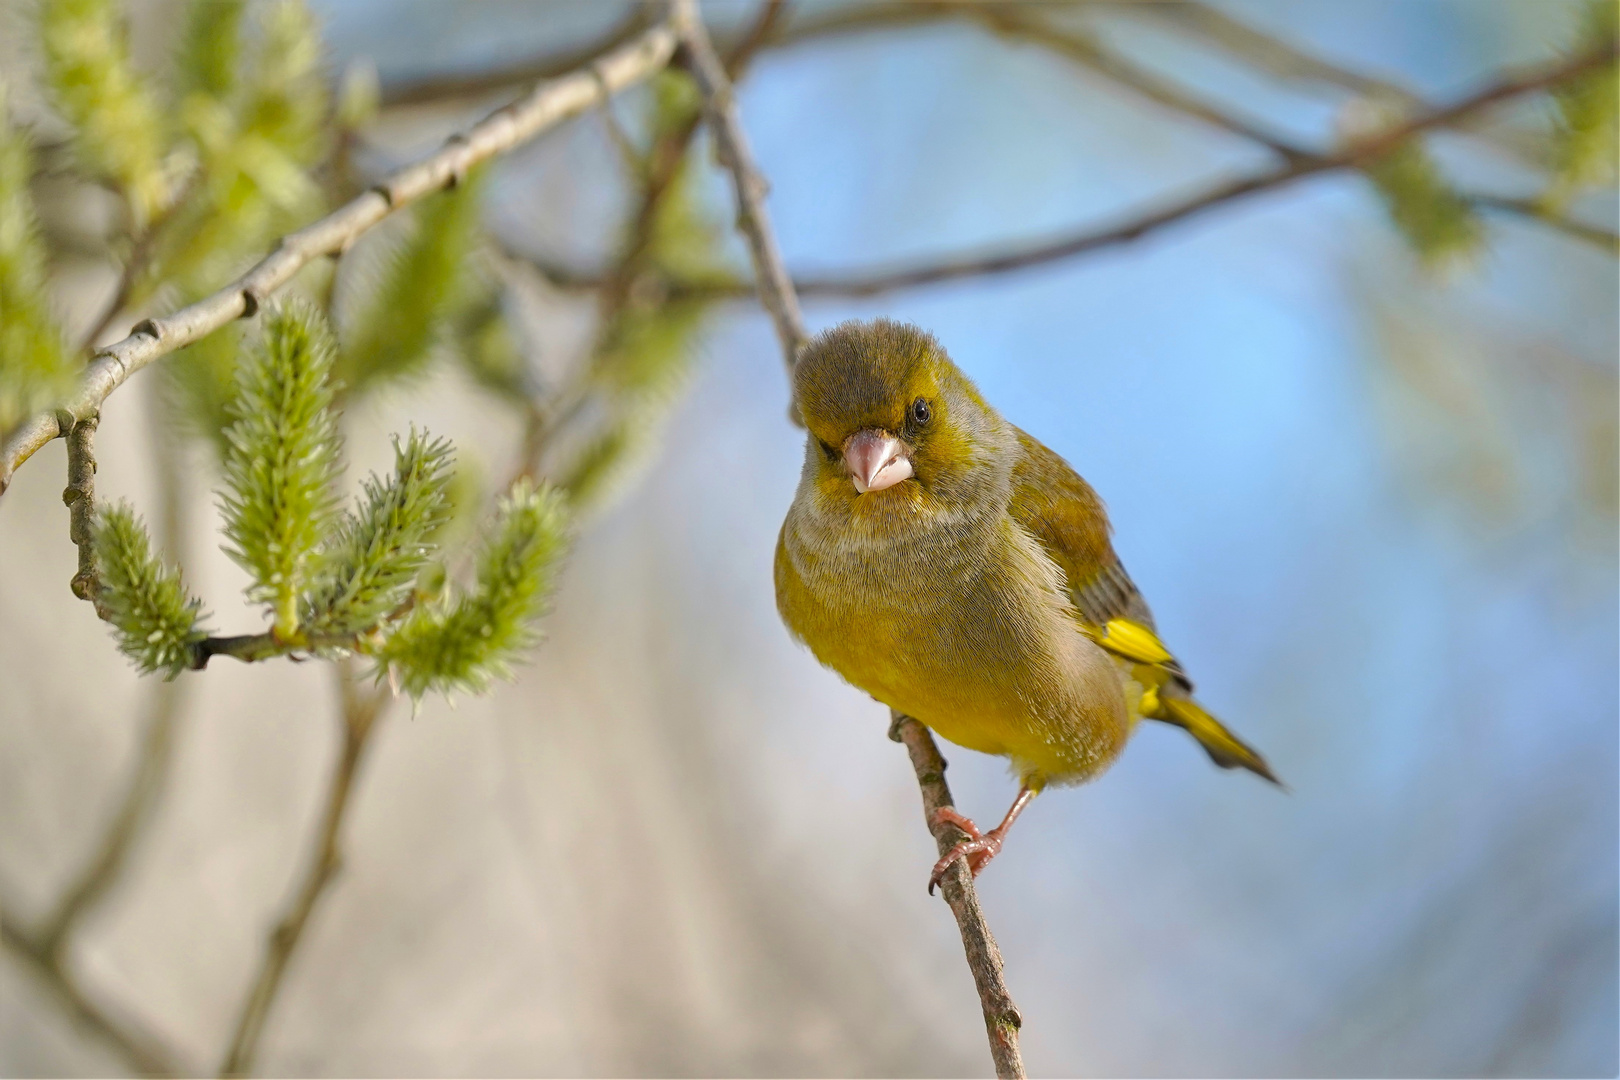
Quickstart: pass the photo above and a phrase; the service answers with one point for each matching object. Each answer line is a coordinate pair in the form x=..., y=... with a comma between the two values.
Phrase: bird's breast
x=964, y=628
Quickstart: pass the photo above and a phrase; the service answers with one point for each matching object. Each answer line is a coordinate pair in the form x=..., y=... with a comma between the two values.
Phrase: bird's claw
x=978, y=849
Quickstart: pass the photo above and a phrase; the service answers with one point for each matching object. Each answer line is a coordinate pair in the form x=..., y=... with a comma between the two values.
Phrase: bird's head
x=891, y=419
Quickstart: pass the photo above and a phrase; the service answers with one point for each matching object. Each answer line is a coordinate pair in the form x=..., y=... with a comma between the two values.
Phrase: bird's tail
x=1224, y=748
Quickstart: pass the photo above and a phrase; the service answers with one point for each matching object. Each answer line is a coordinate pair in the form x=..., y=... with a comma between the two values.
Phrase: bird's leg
x=979, y=848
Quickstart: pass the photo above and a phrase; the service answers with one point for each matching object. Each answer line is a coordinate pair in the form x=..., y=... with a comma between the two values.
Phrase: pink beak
x=876, y=460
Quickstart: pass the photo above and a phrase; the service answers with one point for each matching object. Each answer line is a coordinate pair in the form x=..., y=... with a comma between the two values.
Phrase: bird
x=957, y=570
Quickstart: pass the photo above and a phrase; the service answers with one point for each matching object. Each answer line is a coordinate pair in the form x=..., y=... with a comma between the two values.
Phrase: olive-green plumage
x=965, y=577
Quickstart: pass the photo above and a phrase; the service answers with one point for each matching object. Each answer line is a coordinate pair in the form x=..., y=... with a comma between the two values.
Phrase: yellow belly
x=981, y=670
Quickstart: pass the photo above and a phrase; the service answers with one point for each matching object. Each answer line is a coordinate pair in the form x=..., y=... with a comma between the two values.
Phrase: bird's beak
x=876, y=460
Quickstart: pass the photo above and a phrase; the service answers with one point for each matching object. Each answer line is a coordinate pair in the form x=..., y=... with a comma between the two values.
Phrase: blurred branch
x=139, y=1049
x=360, y=712
x=135, y=265
x=662, y=166
x=46, y=949
x=1536, y=210
x=1288, y=61
x=1355, y=155
x=547, y=105
x=731, y=146
x=444, y=89
x=1001, y=1017
x=104, y=870
x=776, y=293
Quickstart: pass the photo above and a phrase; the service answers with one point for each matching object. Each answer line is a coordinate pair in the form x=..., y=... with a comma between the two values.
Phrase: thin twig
x=547, y=105
x=1355, y=155
x=731, y=146
x=360, y=713
x=46, y=949
x=106, y=868
x=1534, y=210
x=141, y=1050
x=1001, y=1017
x=140, y=256
x=447, y=89
x=661, y=166
x=80, y=497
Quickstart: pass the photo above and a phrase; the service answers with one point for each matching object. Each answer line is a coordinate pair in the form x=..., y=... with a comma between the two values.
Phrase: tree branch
x=547, y=105
x=1001, y=1017
x=663, y=164
x=143, y=1052
x=731, y=145
x=1357, y=154
x=776, y=293
x=1535, y=210
x=46, y=949
x=104, y=870
x=444, y=89
x=359, y=717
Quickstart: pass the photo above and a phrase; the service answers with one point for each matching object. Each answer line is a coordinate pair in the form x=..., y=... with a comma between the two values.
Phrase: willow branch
x=143, y=1052
x=547, y=105
x=731, y=146
x=1001, y=1017
x=359, y=718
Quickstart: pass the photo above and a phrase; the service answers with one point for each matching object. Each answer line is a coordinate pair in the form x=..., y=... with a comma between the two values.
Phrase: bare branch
x=105, y=869
x=1001, y=1017
x=141, y=1050
x=547, y=105
x=1535, y=210
x=359, y=717
x=1355, y=155
x=545, y=418
x=775, y=290
x=446, y=89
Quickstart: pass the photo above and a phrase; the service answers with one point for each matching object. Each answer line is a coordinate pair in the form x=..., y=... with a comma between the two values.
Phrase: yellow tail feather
x=1223, y=748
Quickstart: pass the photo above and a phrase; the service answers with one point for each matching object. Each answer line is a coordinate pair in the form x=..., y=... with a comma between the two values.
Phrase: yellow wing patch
x=1130, y=640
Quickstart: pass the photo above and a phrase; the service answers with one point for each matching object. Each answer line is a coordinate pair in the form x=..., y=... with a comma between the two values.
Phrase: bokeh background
x=1373, y=506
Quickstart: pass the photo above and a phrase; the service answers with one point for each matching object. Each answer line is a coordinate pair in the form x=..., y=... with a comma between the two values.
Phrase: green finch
x=957, y=570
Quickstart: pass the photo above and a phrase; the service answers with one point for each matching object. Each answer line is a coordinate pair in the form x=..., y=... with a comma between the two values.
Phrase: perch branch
x=547, y=105
x=359, y=718
x=776, y=293
x=1001, y=1017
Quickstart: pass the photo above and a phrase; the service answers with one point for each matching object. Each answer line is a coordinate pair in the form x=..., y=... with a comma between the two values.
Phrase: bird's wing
x=1063, y=512
x=1065, y=515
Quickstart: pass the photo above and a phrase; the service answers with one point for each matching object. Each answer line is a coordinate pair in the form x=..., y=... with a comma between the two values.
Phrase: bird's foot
x=978, y=849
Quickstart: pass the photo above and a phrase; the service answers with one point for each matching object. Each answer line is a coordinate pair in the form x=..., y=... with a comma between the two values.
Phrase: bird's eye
x=920, y=411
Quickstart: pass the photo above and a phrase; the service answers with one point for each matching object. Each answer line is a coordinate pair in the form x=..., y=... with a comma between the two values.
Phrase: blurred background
x=1369, y=488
